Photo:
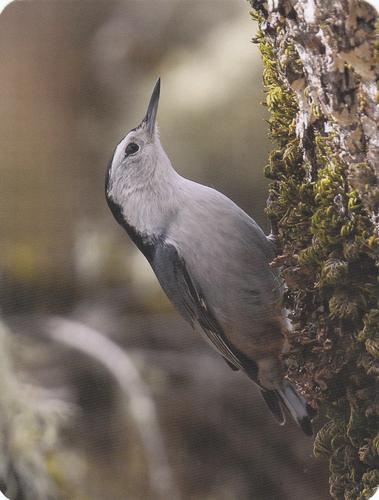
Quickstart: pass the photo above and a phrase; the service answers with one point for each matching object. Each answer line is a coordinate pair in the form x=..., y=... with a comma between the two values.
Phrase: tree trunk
x=320, y=82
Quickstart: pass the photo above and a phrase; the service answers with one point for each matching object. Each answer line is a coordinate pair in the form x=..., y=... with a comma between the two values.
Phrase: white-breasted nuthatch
x=211, y=259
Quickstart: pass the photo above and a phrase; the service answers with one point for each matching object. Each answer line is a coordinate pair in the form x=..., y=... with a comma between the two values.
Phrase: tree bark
x=321, y=91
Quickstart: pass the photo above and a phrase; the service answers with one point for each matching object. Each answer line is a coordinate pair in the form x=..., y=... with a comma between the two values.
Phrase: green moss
x=330, y=254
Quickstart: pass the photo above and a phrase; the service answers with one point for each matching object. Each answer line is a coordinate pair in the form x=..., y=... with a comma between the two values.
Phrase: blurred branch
x=137, y=393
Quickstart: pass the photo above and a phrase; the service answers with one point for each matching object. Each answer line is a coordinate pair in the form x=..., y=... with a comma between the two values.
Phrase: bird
x=211, y=259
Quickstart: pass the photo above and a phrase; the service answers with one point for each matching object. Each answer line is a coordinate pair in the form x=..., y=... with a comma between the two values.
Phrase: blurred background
x=149, y=410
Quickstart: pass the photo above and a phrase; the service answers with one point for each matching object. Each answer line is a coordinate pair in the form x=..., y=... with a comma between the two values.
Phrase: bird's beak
x=151, y=113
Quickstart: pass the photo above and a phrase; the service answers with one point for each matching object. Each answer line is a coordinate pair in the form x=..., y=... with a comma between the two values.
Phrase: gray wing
x=187, y=297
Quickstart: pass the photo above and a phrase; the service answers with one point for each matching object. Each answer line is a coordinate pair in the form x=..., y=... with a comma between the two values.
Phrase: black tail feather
x=284, y=398
x=297, y=407
x=273, y=401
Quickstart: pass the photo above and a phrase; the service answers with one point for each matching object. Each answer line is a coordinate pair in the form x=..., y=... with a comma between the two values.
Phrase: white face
x=136, y=155
x=133, y=162
x=136, y=147
x=140, y=180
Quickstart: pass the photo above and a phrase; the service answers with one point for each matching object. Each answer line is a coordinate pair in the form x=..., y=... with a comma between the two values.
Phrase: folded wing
x=187, y=297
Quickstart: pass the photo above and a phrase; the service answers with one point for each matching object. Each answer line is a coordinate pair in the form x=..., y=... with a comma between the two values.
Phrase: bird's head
x=138, y=153
x=140, y=180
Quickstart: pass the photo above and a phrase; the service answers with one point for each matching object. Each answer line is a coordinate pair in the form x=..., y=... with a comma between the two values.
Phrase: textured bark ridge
x=321, y=91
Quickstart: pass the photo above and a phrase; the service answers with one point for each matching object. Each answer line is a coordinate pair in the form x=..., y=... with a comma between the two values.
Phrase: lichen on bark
x=320, y=81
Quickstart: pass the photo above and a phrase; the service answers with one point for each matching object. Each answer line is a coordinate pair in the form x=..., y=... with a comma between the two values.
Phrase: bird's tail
x=274, y=402
x=298, y=408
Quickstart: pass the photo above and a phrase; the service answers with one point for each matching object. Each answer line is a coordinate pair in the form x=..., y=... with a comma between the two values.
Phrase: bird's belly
x=247, y=308
x=258, y=337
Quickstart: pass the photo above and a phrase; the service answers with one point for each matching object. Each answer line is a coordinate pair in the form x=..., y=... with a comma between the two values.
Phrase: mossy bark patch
x=321, y=80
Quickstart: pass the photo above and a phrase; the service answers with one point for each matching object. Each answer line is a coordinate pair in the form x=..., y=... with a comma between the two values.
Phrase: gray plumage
x=211, y=259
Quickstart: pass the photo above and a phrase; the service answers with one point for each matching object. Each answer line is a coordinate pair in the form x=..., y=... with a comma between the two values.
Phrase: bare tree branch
x=137, y=393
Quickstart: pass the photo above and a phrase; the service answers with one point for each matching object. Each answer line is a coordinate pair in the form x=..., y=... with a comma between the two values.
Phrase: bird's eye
x=131, y=148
